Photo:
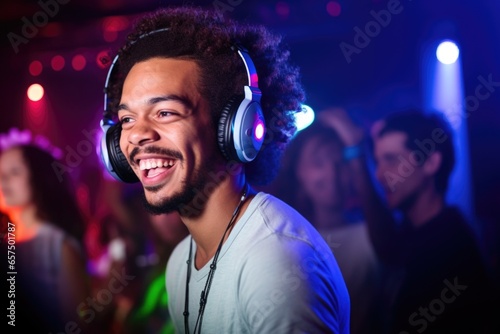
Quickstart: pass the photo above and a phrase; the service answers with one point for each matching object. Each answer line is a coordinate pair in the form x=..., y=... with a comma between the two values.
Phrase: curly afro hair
x=207, y=37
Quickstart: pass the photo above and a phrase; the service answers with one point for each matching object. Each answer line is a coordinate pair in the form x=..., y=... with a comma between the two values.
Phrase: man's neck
x=208, y=228
x=426, y=206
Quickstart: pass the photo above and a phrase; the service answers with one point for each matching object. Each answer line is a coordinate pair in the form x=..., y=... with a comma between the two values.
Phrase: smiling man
x=203, y=109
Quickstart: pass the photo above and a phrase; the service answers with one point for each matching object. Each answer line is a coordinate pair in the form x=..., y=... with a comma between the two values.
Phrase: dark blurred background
x=60, y=45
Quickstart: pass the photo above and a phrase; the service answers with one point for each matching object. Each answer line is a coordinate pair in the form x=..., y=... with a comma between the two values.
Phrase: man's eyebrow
x=154, y=100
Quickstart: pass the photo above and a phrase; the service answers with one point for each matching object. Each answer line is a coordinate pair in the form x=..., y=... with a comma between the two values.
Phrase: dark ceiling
x=383, y=75
x=390, y=62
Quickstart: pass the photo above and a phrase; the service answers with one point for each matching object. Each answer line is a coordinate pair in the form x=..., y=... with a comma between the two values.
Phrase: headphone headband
x=107, y=113
x=253, y=78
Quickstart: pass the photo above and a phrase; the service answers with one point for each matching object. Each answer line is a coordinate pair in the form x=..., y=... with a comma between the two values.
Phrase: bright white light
x=447, y=52
x=35, y=92
x=304, y=118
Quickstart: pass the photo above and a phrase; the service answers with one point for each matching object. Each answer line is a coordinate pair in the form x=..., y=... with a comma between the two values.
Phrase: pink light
x=35, y=92
x=78, y=62
x=57, y=63
x=333, y=8
x=115, y=23
x=103, y=59
x=112, y=25
x=35, y=68
x=259, y=131
x=36, y=116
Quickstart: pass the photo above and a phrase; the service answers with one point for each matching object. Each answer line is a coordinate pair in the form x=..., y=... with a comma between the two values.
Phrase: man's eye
x=125, y=120
x=165, y=113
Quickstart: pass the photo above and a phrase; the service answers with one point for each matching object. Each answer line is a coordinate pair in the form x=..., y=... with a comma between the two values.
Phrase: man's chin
x=156, y=204
x=158, y=208
x=176, y=197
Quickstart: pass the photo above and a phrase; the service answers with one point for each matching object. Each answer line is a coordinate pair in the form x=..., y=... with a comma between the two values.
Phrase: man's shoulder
x=450, y=218
x=280, y=218
x=285, y=228
x=272, y=207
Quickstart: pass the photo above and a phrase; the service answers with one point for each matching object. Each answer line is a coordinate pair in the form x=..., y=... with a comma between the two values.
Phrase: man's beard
x=181, y=201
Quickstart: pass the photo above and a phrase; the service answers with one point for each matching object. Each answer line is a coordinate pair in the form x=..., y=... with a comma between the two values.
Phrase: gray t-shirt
x=275, y=274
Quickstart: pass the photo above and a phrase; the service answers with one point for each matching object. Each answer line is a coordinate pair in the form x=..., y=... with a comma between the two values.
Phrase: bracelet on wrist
x=352, y=152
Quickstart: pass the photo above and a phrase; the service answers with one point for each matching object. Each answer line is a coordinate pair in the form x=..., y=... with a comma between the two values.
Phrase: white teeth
x=154, y=163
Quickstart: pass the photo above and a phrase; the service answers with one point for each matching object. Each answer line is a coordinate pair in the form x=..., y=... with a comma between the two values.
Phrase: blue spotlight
x=304, y=118
x=447, y=52
x=444, y=94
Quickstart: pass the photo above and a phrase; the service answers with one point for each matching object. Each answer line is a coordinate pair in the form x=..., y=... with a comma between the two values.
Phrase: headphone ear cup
x=225, y=136
x=118, y=161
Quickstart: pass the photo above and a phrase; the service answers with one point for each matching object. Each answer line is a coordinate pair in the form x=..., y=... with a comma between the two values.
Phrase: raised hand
x=338, y=119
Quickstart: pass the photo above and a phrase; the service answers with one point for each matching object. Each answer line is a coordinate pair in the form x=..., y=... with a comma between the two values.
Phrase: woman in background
x=314, y=179
x=51, y=279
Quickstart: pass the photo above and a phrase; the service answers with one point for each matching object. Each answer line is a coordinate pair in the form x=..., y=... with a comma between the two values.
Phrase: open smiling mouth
x=155, y=167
